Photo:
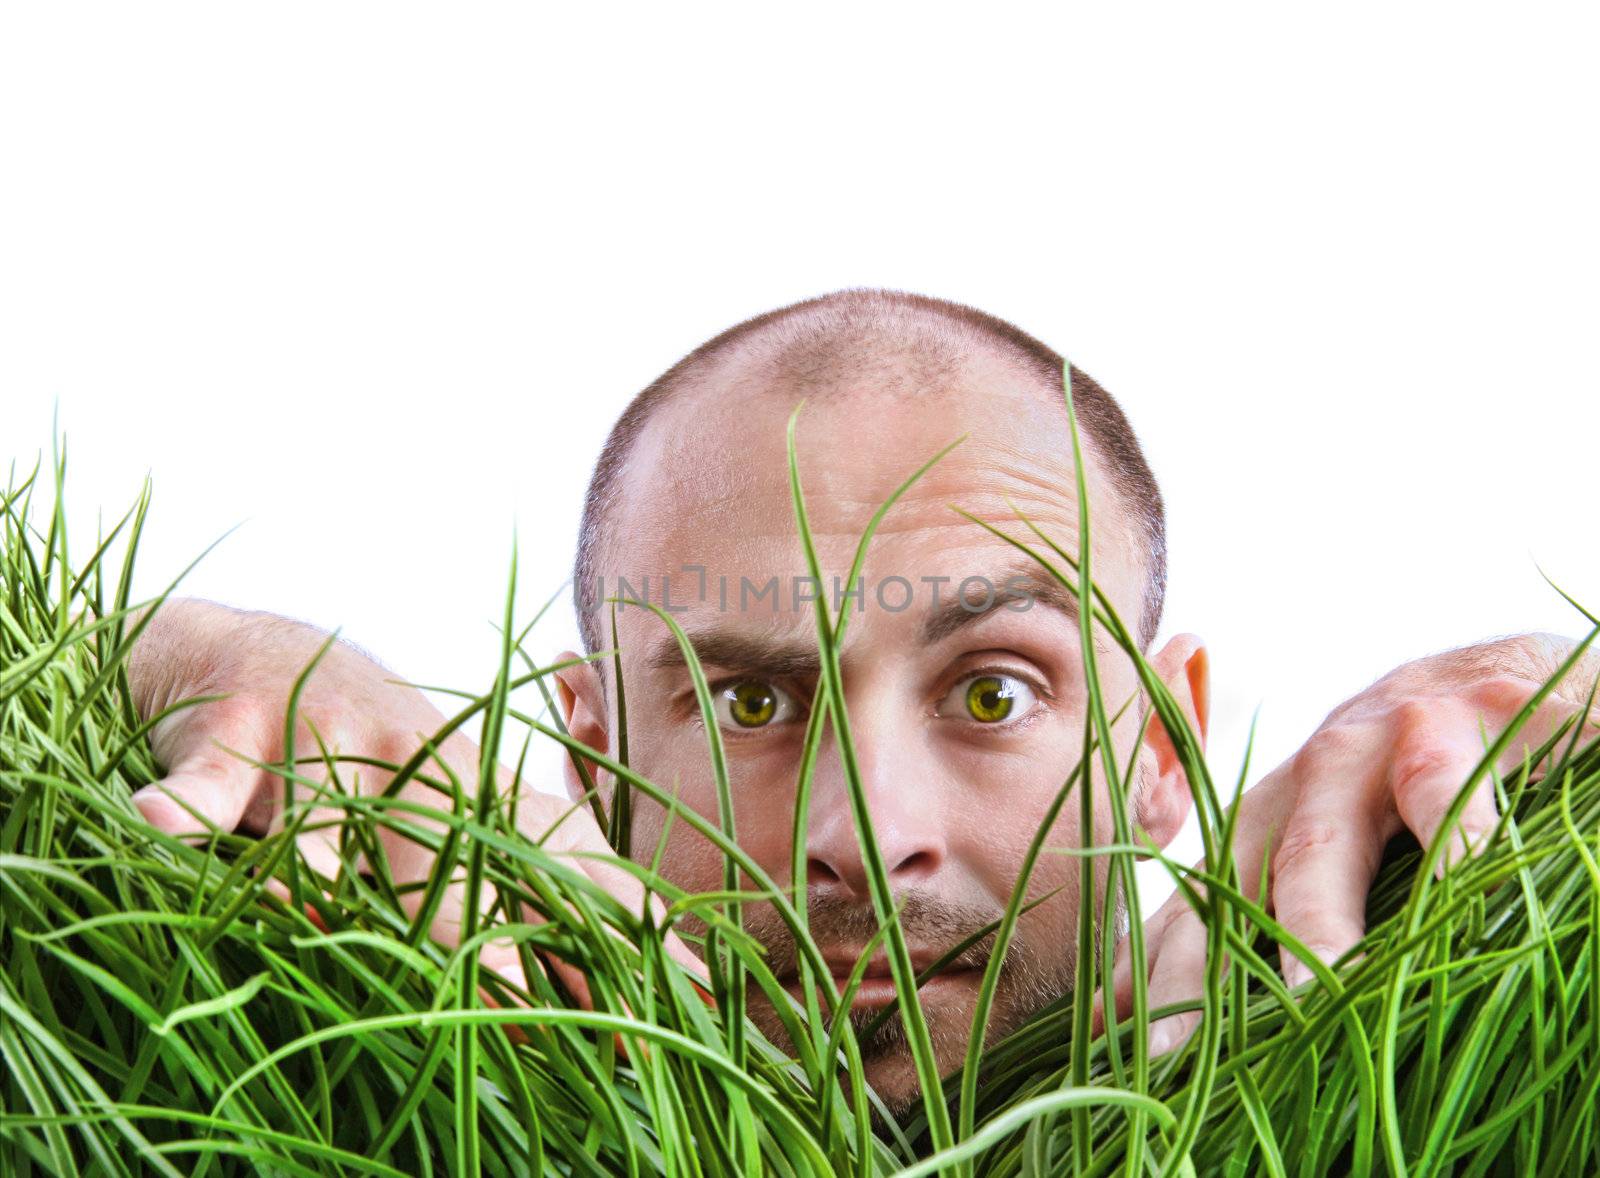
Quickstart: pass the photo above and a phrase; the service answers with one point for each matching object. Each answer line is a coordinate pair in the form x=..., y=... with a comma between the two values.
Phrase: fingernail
x=1297, y=972
x=1161, y=1037
x=152, y=802
x=1464, y=843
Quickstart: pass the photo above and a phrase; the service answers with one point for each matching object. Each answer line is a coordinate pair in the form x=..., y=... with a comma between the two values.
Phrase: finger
x=508, y=967
x=1175, y=937
x=1497, y=701
x=276, y=887
x=503, y=958
x=320, y=838
x=1425, y=779
x=1177, y=975
x=1156, y=929
x=577, y=834
x=320, y=849
x=543, y=818
x=191, y=804
x=413, y=863
x=503, y=955
x=320, y=824
x=628, y=889
x=1328, y=856
x=1121, y=985
x=211, y=781
x=314, y=783
x=1546, y=720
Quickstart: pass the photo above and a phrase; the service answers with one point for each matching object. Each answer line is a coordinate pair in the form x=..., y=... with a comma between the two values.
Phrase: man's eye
x=989, y=699
x=753, y=703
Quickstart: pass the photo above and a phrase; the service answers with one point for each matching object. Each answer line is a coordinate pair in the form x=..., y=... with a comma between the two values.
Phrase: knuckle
x=1415, y=713
x=1172, y=914
x=219, y=734
x=241, y=712
x=215, y=765
x=393, y=746
x=1419, y=769
x=1302, y=843
x=1328, y=746
x=1189, y=933
x=545, y=818
x=1503, y=692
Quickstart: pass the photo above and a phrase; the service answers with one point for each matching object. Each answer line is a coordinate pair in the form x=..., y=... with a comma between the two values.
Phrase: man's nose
x=907, y=819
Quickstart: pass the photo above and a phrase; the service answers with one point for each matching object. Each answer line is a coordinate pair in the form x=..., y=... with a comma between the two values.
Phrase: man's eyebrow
x=1008, y=590
x=773, y=658
x=786, y=659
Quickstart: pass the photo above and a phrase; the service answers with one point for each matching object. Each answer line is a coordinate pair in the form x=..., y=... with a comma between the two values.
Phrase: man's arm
x=1389, y=760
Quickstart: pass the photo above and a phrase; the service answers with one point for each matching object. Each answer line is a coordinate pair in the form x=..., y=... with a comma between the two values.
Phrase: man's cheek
x=690, y=860
x=994, y=842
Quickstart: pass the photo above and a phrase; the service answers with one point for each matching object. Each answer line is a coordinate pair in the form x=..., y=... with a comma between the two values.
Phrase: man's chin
x=893, y=1079
x=948, y=1002
x=947, y=1005
x=886, y=1055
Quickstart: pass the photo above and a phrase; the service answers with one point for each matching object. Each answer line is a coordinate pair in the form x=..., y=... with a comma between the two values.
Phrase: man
x=966, y=704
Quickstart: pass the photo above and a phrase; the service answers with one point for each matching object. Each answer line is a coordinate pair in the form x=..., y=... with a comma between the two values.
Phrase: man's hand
x=1391, y=759
x=211, y=753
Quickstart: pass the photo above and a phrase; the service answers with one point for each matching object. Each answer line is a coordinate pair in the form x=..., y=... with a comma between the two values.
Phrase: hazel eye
x=753, y=703
x=989, y=699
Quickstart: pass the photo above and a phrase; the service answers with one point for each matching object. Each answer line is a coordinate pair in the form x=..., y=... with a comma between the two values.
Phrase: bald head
x=901, y=345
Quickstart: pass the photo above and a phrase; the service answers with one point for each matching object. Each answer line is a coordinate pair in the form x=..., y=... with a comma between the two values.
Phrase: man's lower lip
x=880, y=991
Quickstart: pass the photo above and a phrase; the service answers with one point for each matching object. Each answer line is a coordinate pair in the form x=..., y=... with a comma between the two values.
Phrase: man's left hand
x=1389, y=760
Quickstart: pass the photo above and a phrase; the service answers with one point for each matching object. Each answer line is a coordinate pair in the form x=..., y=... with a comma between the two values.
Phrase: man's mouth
x=877, y=987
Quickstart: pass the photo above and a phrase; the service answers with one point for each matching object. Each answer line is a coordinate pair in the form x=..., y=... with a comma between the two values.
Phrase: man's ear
x=1185, y=667
x=583, y=710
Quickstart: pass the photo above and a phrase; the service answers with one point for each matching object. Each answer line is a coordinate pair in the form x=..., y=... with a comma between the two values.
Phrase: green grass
x=160, y=1011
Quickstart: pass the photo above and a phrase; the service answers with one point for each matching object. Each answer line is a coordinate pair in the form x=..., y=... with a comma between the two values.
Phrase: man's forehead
x=707, y=486
x=718, y=453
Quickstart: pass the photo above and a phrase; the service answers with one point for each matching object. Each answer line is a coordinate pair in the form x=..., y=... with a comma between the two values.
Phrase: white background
x=374, y=280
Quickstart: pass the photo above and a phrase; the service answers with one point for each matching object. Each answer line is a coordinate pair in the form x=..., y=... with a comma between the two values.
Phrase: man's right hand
x=212, y=753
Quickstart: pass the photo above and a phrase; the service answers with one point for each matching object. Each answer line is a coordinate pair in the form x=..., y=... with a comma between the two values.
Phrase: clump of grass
x=162, y=1011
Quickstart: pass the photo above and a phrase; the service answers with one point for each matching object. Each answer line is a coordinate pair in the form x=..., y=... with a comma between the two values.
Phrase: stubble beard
x=1031, y=978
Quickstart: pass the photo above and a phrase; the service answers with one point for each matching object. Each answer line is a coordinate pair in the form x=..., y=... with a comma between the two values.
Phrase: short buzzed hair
x=805, y=344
